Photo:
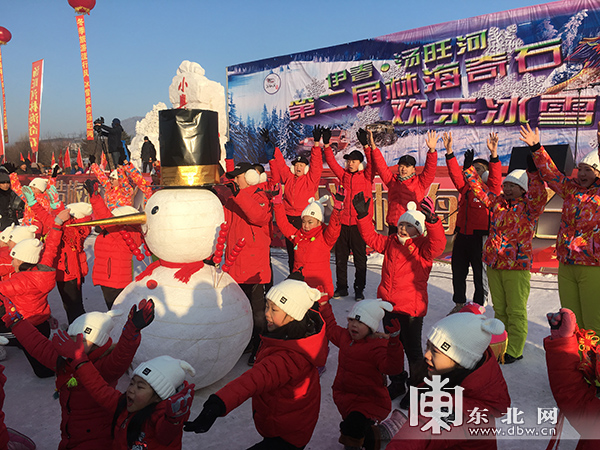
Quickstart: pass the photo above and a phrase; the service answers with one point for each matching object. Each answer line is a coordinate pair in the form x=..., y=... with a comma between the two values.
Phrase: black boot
x=397, y=387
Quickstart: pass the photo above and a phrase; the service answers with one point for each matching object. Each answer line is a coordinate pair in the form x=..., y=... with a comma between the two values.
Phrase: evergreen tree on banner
x=236, y=131
x=290, y=134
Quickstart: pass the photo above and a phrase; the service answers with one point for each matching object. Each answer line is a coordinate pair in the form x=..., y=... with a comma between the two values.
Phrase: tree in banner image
x=290, y=134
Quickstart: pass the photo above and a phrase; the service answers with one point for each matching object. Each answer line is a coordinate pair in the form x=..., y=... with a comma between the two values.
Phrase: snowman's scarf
x=185, y=272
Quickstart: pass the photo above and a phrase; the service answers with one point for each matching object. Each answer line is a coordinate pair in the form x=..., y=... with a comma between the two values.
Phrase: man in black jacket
x=115, y=147
x=10, y=202
x=148, y=155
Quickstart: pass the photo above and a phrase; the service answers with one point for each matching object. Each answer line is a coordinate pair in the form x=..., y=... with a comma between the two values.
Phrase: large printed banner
x=35, y=103
x=89, y=121
x=4, y=124
x=538, y=65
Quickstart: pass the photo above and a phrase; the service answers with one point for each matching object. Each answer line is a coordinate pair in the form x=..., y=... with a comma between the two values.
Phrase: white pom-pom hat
x=294, y=297
x=414, y=217
x=20, y=233
x=316, y=208
x=80, y=210
x=5, y=235
x=370, y=312
x=40, y=183
x=165, y=374
x=124, y=211
x=28, y=250
x=464, y=337
x=518, y=177
x=591, y=159
x=95, y=326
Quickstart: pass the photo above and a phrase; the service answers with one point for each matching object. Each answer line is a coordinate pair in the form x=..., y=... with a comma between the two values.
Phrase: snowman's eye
x=155, y=210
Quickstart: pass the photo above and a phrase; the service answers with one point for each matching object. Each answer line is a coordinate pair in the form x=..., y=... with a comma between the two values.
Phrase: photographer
x=114, y=137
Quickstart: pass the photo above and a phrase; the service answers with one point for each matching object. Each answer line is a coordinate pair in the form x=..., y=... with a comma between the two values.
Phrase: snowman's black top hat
x=189, y=147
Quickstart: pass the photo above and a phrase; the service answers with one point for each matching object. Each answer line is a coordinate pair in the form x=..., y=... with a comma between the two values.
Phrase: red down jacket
x=29, y=289
x=6, y=267
x=485, y=389
x=401, y=192
x=575, y=397
x=249, y=217
x=353, y=182
x=84, y=423
x=312, y=251
x=284, y=386
x=160, y=432
x=473, y=216
x=406, y=267
x=112, y=256
x=360, y=383
x=297, y=189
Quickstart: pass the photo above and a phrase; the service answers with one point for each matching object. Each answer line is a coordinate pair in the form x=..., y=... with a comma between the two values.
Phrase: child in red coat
x=151, y=414
x=284, y=382
x=312, y=243
x=408, y=257
x=359, y=389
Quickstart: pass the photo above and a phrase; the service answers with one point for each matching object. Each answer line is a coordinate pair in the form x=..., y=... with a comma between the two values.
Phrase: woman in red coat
x=284, y=381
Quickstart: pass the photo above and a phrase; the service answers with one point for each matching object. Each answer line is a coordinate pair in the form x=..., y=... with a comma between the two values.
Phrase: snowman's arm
x=255, y=205
x=267, y=374
x=103, y=394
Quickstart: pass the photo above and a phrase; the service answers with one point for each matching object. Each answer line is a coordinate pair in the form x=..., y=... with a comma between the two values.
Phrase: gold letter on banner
x=4, y=124
x=89, y=121
x=35, y=102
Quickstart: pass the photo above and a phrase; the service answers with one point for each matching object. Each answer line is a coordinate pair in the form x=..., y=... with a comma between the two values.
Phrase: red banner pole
x=89, y=120
x=4, y=124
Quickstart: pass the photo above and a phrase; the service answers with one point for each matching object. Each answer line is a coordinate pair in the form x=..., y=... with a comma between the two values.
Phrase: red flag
x=53, y=160
x=79, y=158
x=67, y=159
x=21, y=156
x=103, y=162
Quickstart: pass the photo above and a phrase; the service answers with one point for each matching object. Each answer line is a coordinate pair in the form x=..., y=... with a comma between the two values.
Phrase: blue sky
x=136, y=46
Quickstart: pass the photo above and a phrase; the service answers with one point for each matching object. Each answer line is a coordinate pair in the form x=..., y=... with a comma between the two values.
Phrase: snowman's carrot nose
x=129, y=219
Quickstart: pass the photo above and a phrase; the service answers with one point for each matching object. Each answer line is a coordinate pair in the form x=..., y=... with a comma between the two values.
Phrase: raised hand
x=431, y=140
x=179, y=404
x=428, y=209
x=69, y=349
x=469, y=156
x=562, y=324
x=338, y=197
x=362, y=137
x=264, y=134
x=29, y=195
x=317, y=132
x=139, y=318
x=447, y=139
x=53, y=197
x=492, y=144
x=229, y=149
x=360, y=205
x=213, y=408
x=91, y=186
x=326, y=134
x=528, y=136
x=394, y=329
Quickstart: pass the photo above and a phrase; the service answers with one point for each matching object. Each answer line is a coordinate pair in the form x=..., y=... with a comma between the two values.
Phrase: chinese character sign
x=35, y=104
x=538, y=65
x=89, y=120
x=4, y=124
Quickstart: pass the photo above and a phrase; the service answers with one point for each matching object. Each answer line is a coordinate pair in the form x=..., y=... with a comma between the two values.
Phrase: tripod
x=101, y=142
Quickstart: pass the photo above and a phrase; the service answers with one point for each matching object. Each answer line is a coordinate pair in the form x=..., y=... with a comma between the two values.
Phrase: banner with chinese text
x=4, y=123
x=492, y=73
x=89, y=120
x=35, y=104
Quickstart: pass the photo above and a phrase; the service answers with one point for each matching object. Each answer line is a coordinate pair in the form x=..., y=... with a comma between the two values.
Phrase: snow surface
x=31, y=409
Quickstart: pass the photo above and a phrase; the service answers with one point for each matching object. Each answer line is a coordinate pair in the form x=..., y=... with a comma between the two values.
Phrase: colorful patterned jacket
x=121, y=195
x=578, y=239
x=512, y=222
x=28, y=215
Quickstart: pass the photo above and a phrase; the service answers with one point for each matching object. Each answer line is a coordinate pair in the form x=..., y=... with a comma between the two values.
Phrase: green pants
x=510, y=292
x=579, y=290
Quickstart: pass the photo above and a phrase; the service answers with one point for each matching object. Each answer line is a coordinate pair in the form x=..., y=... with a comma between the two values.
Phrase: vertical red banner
x=35, y=104
x=89, y=121
x=4, y=124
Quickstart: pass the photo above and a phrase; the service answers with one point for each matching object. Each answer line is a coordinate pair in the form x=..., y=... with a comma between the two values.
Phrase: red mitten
x=180, y=403
x=68, y=349
x=394, y=331
x=562, y=324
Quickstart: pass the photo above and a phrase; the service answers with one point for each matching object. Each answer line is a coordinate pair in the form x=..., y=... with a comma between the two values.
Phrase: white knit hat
x=20, y=233
x=124, y=211
x=294, y=297
x=518, y=177
x=5, y=235
x=464, y=337
x=591, y=159
x=80, y=210
x=370, y=312
x=114, y=175
x=414, y=217
x=315, y=208
x=164, y=373
x=95, y=326
x=40, y=183
x=28, y=250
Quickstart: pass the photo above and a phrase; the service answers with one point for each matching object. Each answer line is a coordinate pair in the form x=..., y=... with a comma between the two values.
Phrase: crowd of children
x=294, y=320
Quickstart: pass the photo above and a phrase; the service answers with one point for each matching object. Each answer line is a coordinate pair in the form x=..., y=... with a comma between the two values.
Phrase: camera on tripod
x=98, y=125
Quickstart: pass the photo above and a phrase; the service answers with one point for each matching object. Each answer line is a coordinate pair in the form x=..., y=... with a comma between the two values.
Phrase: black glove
x=213, y=408
x=427, y=208
x=55, y=171
x=264, y=133
x=326, y=133
x=235, y=189
x=362, y=137
x=91, y=186
x=317, y=131
x=531, y=167
x=469, y=155
x=360, y=205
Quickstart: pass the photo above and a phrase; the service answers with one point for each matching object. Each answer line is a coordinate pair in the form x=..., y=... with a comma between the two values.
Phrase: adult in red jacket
x=248, y=213
x=407, y=261
x=355, y=178
x=407, y=186
x=301, y=183
x=472, y=220
x=84, y=423
x=72, y=266
x=573, y=379
x=113, y=269
x=35, y=277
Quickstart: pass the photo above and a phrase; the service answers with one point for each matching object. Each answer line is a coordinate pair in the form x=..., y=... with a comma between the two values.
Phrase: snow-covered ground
x=31, y=409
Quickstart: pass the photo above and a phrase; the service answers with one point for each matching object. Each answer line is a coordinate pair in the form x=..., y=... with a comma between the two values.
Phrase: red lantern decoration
x=82, y=6
x=5, y=36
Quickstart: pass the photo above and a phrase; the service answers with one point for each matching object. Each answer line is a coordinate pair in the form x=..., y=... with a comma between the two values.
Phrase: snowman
x=201, y=314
